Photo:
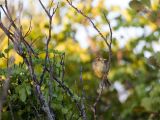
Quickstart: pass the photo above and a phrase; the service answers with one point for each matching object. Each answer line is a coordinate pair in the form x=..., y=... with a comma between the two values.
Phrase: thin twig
x=6, y=86
x=93, y=108
x=19, y=41
x=84, y=117
x=11, y=111
x=67, y=90
x=109, y=45
x=50, y=16
x=90, y=20
x=63, y=67
x=29, y=29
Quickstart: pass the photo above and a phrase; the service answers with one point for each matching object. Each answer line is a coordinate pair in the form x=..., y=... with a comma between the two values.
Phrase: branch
x=50, y=16
x=29, y=29
x=66, y=89
x=5, y=86
x=109, y=45
x=90, y=20
x=4, y=94
x=93, y=108
x=84, y=117
x=16, y=30
x=19, y=41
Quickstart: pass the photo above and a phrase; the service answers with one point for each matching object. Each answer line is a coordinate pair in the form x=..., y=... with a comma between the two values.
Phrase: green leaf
x=76, y=97
x=6, y=50
x=157, y=57
x=22, y=94
x=64, y=110
x=2, y=55
x=28, y=89
x=60, y=98
x=136, y=5
x=55, y=95
x=146, y=2
x=57, y=106
x=46, y=94
x=146, y=103
x=154, y=60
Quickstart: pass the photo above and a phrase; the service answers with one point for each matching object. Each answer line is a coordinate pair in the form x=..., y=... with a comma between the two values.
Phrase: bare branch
x=6, y=31
x=11, y=111
x=18, y=40
x=84, y=117
x=50, y=15
x=110, y=44
x=29, y=29
x=6, y=85
x=90, y=20
x=93, y=108
x=47, y=12
x=4, y=93
x=67, y=90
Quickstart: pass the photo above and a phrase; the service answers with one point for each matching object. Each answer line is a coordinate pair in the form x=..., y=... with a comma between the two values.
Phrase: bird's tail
x=105, y=81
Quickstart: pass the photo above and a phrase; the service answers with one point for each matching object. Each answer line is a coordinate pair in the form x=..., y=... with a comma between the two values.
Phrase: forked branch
x=109, y=45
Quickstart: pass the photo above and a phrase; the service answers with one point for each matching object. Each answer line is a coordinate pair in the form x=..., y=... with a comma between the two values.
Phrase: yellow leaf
x=155, y=4
x=152, y=25
x=127, y=15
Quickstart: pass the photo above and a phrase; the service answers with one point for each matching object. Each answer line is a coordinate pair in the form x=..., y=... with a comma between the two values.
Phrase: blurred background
x=134, y=74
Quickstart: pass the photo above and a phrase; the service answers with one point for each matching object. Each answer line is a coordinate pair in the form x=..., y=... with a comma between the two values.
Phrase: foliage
x=135, y=65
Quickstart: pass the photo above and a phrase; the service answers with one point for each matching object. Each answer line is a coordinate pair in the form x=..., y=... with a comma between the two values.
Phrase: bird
x=100, y=68
x=2, y=2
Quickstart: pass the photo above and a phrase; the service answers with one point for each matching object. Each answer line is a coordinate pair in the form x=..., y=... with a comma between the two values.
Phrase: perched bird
x=2, y=2
x=100, y=67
